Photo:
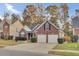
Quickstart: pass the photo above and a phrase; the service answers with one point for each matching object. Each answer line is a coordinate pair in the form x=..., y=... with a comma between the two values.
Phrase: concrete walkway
x=32, y=47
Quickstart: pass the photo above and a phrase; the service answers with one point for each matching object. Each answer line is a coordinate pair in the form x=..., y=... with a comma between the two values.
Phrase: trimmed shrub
x=20, y=38
x=60, y=40
x=33, y=40
x=10, y=37
x=75, y=38
x=2, y=37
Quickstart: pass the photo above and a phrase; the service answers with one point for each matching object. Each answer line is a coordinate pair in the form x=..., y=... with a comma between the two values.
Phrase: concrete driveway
x=32, y=47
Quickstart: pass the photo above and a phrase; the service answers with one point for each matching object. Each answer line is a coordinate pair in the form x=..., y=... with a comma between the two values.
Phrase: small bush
x=33, y=40
x=10, y=37
x=75, y=38
x=67, y=38
x=2, y=37
x=60, y=40
x=20, y=38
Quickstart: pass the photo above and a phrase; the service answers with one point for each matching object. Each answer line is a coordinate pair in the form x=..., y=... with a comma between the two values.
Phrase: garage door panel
x=52, y=38
x=41, y=38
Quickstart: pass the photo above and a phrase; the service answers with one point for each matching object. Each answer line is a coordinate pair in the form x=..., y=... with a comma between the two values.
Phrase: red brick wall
x=6, y=30
x=41, y=30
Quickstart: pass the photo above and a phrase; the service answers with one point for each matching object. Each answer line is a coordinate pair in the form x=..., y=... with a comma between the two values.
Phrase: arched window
x=6, y=27
x=47, y=26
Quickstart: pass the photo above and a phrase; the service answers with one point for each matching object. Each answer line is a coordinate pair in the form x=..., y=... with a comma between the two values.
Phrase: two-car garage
x=49, y=39
x=47, y=32
x=41, y=38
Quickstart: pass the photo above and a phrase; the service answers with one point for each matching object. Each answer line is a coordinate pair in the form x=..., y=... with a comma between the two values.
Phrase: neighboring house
x=25, y=32
x=75, y=25
x=1, y=29
x=15, y=28
x=47, y=32
x=4, y=28
x=22, y=33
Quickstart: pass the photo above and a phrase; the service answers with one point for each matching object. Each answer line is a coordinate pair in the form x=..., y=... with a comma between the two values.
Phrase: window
x=17, y=30
x=47, y=26
x=6, y=27
x=22, y=34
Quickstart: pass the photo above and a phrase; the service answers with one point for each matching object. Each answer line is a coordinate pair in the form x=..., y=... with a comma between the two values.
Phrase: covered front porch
x=30, y=35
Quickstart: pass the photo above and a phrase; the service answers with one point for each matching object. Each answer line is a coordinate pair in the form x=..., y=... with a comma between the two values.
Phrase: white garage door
x=41, y=38
x=52, y=38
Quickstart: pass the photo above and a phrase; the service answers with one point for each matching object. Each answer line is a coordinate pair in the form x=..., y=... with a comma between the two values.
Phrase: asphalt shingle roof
x=32, y=26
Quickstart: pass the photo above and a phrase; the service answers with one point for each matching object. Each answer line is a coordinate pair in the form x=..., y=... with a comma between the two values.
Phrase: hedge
x=33, y=40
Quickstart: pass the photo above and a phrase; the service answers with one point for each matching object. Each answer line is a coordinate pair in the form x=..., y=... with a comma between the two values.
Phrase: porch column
x=33, y=34
x=27, y=36
x=46, y=37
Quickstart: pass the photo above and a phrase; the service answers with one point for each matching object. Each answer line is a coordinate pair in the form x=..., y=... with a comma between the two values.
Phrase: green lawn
x=68, y=46
x=7, y=42
x=10, y=42
x=63, y=53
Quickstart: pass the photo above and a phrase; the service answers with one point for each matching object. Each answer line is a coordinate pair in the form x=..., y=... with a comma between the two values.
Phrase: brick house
x=47, y=32
x=1, y=29
x=6, y=28
x=75, y=25
x=15, y=28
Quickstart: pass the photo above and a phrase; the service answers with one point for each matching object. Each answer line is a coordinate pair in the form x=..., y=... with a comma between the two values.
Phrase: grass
x=63, y=53
x=7, y=42
x=66, y=46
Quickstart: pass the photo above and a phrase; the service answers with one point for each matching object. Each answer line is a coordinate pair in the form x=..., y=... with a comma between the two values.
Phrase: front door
x=30, y=35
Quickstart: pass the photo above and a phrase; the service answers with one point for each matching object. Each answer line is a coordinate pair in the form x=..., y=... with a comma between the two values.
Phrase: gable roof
x=2, y=23
x=17, y=21
x=26, y=28
x=33, y=26
x=6, y=20
x=17, y=25
x=13, y=21
x=48, y=22
x=75, y=22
